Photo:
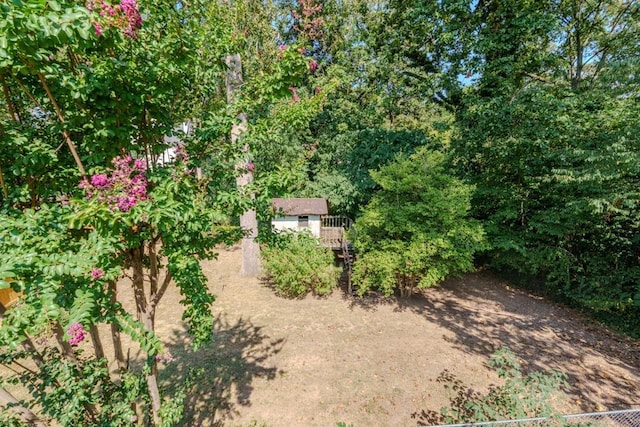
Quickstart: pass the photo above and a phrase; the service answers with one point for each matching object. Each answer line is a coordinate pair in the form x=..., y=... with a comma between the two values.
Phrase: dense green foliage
x=416, y=231
x=558, y=192
x=296, y=265
x=548, y=133
x=89, y=200
x=410, y=116
x=535, y=103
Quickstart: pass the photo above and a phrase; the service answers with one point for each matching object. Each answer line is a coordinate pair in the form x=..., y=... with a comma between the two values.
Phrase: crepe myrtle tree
x=89, y=90
x=143, y=229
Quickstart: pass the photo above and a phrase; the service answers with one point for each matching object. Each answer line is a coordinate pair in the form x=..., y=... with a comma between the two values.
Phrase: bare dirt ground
x=317, y=361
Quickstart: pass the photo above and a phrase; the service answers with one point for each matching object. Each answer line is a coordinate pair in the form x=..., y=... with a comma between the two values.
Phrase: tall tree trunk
x=248, y=220
x=95, y=340
x=3, y=185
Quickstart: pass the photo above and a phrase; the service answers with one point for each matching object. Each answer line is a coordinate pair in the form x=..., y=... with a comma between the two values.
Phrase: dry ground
x=317, y=361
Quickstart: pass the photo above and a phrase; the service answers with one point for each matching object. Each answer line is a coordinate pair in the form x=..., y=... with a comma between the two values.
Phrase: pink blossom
x=100, y=181
x=97, y=273
x=123, y=188
x=313, y=65
x=125, y=16
x=294, y=93
x=125, y=203
x=250, y=166
x=282, y=47
x=76, y=333
x=140, y=165
x=133, y=17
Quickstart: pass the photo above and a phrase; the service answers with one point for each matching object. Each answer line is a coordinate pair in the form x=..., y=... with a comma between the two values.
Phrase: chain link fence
x=626, y=418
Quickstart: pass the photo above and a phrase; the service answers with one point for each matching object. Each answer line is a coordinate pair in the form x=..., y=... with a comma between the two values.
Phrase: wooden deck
x=332, y=230
x=331, y=237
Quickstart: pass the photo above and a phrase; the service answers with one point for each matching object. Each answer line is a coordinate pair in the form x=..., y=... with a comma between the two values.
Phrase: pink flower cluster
x=76, y=333
x=124, y=16
x=123, y=189
x=313, y=65
x=133, y=19
x=97, y=273
x=294, y=93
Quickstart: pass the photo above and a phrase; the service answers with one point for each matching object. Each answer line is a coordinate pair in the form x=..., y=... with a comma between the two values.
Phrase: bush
x=538, y=394
x=297, y=265
x=415, y=232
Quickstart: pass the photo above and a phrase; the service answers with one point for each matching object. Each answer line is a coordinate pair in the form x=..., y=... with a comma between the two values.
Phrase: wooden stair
x=348, y=256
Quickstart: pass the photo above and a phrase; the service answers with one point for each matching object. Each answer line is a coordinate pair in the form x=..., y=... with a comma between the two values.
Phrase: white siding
x=291, y=223
x=314, y=225
x=285, y=223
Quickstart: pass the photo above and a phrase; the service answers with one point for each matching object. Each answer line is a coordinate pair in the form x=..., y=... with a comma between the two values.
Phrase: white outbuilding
x=299, y=214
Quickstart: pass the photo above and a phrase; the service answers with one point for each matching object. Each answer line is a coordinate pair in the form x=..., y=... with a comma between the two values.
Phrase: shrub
x=415, y=232
x=297, y=265
x=521, y=396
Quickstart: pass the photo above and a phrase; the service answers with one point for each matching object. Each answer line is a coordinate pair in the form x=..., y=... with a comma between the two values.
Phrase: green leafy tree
x=549, y=139
x=88, y=206
x=416, y=230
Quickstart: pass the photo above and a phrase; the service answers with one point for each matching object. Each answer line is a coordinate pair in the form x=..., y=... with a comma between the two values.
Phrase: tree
x=415, y=232
x=109, y=82
x=73, y=225
x=552, y=150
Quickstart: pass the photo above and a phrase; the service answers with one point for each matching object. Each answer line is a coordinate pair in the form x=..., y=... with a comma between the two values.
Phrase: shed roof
x=299, y=206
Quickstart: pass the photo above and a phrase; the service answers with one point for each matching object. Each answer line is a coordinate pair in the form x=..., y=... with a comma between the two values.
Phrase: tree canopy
x=455, y=133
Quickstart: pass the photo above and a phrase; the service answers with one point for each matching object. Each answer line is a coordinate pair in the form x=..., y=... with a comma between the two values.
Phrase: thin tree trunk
x=575, y=81
x=14, y=117
x=95, y=340
x=69, y=354
x=9, y=402
x=115, y=334
x=145, y=316
x=65, y=347
x=67, y=138
x=7, y=97
x=154, y=274
x=30, y=347
x=248, y=220
x=3, y=184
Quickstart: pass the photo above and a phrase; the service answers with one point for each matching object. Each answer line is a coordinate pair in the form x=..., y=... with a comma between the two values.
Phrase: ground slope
x=314, y=362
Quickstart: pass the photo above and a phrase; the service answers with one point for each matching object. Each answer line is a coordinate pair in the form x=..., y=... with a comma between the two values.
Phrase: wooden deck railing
x=332, y=230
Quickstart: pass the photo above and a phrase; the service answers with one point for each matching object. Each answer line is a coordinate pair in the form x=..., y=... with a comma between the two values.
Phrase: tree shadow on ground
x=221, y=373
x=483, y=314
